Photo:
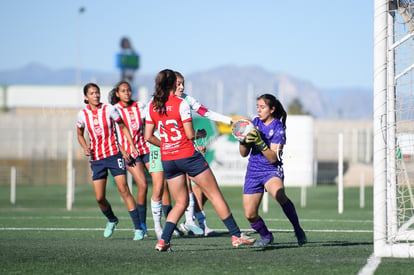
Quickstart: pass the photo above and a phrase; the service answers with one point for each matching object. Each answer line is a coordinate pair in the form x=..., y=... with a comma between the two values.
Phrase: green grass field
x=39, y=236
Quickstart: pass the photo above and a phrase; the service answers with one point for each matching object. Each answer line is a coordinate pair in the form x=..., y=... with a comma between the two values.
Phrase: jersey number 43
x=169, y=131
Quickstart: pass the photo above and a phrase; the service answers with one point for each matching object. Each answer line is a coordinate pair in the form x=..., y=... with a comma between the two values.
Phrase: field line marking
x=372, y=264
x=98, y=229
x=99, y=217
x=54, y=229
x=324, y=220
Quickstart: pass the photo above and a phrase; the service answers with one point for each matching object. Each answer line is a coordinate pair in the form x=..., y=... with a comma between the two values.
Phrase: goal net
x=394, y=128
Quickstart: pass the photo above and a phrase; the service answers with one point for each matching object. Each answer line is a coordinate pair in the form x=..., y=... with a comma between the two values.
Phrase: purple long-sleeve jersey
x=272, y=133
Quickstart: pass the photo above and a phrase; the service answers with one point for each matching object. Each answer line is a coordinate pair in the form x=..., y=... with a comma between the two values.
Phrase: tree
x=296, y=108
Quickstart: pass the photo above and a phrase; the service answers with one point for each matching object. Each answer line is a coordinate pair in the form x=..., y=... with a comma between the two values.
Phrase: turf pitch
x=38, y=236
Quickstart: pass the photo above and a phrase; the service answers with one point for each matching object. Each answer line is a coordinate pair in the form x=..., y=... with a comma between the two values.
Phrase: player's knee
x=251, y=217
x=124, y=193
x=252, y=220
x=142, y=184
x=281, y=196
x=101, y=201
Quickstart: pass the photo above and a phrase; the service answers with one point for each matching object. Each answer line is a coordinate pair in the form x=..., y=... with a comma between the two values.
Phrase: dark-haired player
x=264, y=169
x=171, y=116
x=99, y=120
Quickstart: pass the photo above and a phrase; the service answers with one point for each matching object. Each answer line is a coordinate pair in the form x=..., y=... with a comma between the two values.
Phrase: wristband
x=262, y=146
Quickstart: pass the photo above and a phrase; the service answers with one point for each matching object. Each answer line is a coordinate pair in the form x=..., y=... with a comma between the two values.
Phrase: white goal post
x=393, y=124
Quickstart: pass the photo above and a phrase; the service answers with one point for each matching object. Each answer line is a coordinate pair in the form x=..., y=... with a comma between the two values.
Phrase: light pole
x=78, y=57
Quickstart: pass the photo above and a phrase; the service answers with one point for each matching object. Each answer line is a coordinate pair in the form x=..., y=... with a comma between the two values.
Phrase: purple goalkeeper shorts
x=254, y=182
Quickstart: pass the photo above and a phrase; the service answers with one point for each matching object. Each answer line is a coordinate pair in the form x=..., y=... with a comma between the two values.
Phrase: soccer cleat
x=158, y=233
x=139, y=235
x=183, y=228
x=242, y=240
x=178, y=232
x=144, y=228
x=263, y=242
x=301, y=236
x=161, y=246
x=191, y=228
x=195, y=229
x=109, y=229
x=210, y=233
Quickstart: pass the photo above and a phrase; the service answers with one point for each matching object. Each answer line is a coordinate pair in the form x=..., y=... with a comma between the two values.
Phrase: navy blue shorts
x=114, y=163
x=192, y=166
x=254, y=182
x=142, y=158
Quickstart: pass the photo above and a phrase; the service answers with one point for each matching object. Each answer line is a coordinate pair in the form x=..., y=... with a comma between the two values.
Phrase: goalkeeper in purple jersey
x=265, y=168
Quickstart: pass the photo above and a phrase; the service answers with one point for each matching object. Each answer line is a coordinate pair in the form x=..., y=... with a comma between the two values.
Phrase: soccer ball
x=241, y=128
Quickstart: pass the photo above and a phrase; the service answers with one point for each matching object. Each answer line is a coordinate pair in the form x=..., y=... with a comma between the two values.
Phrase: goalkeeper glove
x=254, y=137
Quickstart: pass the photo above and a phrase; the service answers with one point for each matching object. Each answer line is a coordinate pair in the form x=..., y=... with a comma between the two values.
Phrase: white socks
x=156, y=207
x=189, y=212
x=201, y=217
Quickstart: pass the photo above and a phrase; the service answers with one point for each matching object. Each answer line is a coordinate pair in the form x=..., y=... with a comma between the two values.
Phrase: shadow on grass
x=276, y=246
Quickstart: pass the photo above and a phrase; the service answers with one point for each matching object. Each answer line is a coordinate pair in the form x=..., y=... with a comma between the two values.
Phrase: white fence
x=36, y=120
x=40, y=136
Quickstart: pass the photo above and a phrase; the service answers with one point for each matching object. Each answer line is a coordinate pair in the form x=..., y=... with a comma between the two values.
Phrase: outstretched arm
x=205, y=112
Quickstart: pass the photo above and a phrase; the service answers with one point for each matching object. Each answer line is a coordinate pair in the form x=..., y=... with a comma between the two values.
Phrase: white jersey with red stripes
x=133, y=117
x=174, y=142
x=101, y=130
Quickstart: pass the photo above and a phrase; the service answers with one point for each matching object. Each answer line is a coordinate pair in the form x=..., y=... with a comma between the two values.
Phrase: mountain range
x=227, y=89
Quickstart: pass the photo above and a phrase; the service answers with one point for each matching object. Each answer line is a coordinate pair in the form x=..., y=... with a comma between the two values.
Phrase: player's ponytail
x=280, y=112
x=164, y=83
x=112, y=98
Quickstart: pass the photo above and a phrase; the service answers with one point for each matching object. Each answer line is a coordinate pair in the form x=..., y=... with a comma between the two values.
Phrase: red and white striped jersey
x=101, y=130
x=133, y=118
x=174, y=142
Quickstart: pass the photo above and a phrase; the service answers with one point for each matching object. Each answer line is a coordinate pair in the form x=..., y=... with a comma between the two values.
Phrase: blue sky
x=329, y=43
